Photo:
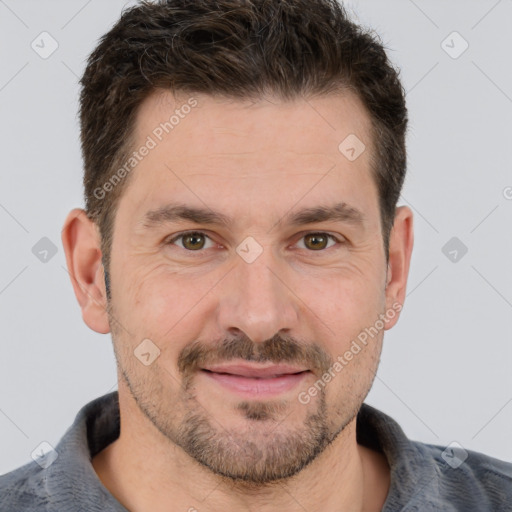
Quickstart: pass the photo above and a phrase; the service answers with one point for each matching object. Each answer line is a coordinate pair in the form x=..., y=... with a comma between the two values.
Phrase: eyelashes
x=200, y=250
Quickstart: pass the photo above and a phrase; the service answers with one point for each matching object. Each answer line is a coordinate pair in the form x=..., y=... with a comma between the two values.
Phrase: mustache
x=278, y=349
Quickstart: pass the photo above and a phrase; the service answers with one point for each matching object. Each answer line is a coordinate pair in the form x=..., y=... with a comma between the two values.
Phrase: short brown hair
x=240, y=49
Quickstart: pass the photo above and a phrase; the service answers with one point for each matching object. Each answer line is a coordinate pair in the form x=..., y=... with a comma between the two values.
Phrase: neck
x=143, y=470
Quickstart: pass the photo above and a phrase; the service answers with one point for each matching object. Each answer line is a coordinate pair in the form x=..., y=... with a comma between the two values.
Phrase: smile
x=254, y=382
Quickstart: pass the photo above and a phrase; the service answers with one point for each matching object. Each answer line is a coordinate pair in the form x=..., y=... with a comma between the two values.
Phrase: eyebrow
x=172, y=213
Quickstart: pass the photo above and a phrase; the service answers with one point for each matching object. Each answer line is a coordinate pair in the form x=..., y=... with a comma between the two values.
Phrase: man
x=242, y=242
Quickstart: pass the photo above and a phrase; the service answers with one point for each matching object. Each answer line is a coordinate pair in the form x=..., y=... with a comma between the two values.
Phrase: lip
x=254, y=371
x=255, y=382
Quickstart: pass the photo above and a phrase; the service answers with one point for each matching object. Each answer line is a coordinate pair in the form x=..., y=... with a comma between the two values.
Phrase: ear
x=401, y=242
x=81, y=242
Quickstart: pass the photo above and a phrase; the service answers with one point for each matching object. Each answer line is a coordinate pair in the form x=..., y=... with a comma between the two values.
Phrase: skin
x=255, y=162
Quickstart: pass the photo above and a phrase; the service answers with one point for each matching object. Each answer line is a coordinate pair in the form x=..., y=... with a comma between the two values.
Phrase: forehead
x=306, y=125
x=245, y=156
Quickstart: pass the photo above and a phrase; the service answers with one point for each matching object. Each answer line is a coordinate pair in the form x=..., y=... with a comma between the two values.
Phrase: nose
x=257, y=299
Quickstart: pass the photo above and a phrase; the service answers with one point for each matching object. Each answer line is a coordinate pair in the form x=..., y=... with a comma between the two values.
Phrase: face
x=250, y=307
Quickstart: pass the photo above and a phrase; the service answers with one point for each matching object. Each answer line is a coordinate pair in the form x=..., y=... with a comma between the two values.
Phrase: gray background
x=446, y=367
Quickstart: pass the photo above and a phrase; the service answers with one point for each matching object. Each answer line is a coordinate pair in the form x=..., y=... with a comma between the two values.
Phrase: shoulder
x=63, y=478
x=23, y=489
x=469, y=477
x=427, y=477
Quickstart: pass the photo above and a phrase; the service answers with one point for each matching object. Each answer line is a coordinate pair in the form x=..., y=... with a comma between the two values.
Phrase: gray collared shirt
x=423, y=477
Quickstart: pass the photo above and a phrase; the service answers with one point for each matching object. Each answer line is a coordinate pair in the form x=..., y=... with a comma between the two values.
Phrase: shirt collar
x=72, y=478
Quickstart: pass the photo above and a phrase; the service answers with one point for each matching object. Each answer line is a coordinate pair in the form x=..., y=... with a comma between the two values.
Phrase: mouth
x=255, y=381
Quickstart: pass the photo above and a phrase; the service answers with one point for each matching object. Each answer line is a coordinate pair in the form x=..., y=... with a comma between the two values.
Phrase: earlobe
x=83, y=257
x=400, y=250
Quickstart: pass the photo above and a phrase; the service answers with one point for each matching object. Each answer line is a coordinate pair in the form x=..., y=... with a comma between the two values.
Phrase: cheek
x=141, y=302
x=344, y=303
x=164, y=304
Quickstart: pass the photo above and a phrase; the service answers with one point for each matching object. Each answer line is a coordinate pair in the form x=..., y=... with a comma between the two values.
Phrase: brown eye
x=316, y=241
x=192, y=241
